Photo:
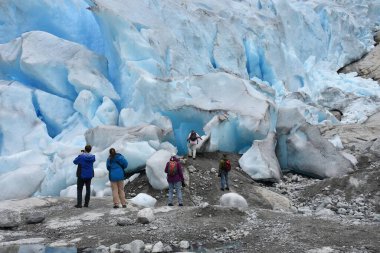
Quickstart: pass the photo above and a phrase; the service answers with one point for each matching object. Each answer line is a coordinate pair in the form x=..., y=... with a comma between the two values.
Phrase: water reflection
x=36, y=249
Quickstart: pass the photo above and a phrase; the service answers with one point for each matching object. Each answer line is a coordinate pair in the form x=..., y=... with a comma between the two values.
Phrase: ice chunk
x=155, y=169
x=30, y=177
x=71, y=192
x=54, y=111
x=143, y=199
x=309, y=153
x=69, y=20
x=86, y=103
x=233, y=200
x=20, y=127
x=23, y=159
x=106, y=114
x=67, y=69
x=335, y=140
x=260, y=161
x=104, y=136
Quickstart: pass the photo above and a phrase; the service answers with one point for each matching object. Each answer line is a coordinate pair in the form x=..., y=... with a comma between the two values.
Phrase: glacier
x=252, y=77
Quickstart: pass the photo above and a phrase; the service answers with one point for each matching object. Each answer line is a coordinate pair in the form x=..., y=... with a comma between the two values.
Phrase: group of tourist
x=117, y=163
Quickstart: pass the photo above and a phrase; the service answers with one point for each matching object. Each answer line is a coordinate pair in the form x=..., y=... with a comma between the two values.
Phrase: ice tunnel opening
x=185, y=120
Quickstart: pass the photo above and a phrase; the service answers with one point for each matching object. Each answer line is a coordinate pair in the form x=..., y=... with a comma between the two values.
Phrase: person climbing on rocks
x=116, y=163
x=224, y=169
x=175, y=179
x=192, y=141
x=85, y=172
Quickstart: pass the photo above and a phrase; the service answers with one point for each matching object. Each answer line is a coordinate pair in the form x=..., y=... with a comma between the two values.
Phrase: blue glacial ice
x=239, y=72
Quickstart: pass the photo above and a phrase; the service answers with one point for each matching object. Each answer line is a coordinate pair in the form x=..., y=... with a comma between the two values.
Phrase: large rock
x=9, y=218
x=274, y=200
x=308, y=153
x=145, y=216
x=368, y=66
x=35, y=217
x=360, y=140
x=260, y=161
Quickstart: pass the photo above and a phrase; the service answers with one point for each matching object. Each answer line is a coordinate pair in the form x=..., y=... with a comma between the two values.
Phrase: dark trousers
x=80, y=183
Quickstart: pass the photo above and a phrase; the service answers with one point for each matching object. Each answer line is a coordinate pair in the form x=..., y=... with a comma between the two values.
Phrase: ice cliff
x=252, y=76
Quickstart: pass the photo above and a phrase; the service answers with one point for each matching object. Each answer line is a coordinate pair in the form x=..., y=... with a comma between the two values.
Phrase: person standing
x=175, y=179
x=224, y=169
x=85, y=172
x=116, y=163
x=192, y=141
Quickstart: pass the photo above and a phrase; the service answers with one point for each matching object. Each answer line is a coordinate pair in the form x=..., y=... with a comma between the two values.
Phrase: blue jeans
x=223, y=179
x=178, y=189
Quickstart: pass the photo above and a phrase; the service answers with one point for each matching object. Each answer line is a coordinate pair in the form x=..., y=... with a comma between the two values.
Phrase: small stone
x=124, y=221
x=158, y=247
x=342, y=211
x=133, y=194
x=213, y=170
x=184, y=244
x=191, y=169
x=115, y=248
x=148, y=248
x=137, y=246
x=167, y=248
x=101, y=249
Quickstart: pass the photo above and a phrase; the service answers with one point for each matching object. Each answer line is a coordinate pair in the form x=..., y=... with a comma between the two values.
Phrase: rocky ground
x=296, y=215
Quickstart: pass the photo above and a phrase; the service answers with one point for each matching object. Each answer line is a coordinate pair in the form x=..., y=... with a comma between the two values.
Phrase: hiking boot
x=227, y=188
x=222, y=189
x=115, y=206
x=124, y=206
x=85, y=205
x=78, y=206
x=170, y=204
x=194, y=158
x=180, y=204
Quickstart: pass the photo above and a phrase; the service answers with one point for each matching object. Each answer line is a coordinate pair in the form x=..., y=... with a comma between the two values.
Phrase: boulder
x=368, y=66
x=145, y=216
x=9, y=218
x=35, y=217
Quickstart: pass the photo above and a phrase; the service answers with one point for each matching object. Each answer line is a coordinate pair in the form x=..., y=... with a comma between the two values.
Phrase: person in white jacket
x=192, y=141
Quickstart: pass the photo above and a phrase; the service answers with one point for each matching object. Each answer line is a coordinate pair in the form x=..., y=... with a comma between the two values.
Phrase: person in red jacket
x=175, y=179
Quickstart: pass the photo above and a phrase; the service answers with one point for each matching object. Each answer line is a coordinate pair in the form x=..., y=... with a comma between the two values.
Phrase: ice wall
x=161, y=68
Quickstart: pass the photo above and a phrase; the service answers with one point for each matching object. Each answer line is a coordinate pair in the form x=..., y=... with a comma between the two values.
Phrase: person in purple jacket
x=175, y=179
x=85, y=173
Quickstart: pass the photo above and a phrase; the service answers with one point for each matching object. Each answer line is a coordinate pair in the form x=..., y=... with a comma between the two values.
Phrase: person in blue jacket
x=85, y=173
x=116, y=163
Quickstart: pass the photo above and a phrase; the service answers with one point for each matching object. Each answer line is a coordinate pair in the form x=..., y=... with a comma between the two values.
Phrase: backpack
x=172, y=170
x=226, y=165
x=193, y=136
